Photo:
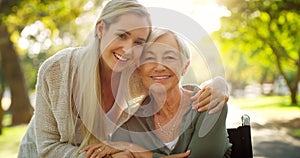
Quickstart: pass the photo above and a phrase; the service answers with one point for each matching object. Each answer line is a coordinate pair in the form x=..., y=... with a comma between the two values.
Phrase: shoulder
x=138, y=123
x=191, y=87
x=60, y=59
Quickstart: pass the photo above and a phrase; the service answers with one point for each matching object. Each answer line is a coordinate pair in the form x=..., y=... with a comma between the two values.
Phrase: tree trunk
x=294, y=95
x=13, y=75
x=1, y=112
x=292, y=85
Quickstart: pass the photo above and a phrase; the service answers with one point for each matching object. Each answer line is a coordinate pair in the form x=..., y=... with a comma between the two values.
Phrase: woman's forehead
x=132, y=21
x=166, y=40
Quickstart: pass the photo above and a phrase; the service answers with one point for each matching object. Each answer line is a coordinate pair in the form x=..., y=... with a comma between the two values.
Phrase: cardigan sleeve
x=48, y=134
x=27, y=147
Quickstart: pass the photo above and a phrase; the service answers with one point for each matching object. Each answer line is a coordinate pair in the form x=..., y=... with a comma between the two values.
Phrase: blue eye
x=140, y=43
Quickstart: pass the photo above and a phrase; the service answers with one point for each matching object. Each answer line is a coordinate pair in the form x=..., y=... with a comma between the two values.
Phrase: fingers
x=123, y=154
x=201, y=105
x=186, y=154
x=93, y=149
x=98, y=153
x=210, y=104
x=203, y=93
x=201, y=98
x=207, y=99
x=181, y=155
x=107, y=150
x=85, y=149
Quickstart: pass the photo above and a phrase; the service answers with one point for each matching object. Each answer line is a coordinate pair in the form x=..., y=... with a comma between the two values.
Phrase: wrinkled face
x=122, y=42
x=161, y=63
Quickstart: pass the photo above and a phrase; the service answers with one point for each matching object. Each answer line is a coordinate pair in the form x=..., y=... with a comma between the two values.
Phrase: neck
x=109, y=85
x=171, y=104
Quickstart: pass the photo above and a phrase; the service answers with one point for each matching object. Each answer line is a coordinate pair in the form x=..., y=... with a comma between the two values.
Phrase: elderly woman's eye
x=170, y=57
x=148, y=58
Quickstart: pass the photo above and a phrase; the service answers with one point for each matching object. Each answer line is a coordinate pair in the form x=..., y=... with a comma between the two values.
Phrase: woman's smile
x=121, y=58
x=160, y=78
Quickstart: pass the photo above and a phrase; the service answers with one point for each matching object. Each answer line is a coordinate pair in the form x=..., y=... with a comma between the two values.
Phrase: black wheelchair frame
x=240, y=138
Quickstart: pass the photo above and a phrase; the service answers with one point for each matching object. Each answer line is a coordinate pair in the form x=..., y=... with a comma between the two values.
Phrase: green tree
x=58, y=17
x=264, y=33
x=14, y=78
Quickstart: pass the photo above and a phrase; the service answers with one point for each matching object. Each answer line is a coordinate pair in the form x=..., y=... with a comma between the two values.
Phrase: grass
x=268, y=106
x=296, y=133
x=266, y=102
x=275, y=107
x=10, y=140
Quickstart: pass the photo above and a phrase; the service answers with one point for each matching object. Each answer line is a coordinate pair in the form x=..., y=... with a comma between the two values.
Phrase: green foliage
x=31, y=65
x=56, y=28
x=262, y=39
x=296, y=133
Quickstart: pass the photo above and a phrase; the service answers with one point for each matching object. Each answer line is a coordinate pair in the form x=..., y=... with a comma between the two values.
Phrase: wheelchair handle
x=245, y=120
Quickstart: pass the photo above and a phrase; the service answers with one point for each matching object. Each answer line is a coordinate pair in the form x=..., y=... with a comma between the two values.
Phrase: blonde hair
x=87, y=84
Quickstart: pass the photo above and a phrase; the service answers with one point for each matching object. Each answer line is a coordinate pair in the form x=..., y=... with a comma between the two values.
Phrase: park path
x=270, y=136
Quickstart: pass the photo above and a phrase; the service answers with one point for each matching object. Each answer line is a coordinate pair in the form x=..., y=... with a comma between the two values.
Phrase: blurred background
x=259, y=42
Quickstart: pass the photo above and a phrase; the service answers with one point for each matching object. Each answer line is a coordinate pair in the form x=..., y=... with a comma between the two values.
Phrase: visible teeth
x=160, y=77
x=121, y=58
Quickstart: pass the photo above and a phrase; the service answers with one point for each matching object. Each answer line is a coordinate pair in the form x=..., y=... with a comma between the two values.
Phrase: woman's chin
x=157, y=88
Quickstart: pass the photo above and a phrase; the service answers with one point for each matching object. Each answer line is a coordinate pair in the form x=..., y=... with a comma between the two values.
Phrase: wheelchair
x=240, y=138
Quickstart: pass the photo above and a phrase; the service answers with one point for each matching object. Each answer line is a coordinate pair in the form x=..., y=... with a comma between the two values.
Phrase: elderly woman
x=166, y=123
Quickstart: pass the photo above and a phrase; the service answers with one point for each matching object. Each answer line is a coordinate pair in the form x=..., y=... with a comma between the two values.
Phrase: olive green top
x=202, y=133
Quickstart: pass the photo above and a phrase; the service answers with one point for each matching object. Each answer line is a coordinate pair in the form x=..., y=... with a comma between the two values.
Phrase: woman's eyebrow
x=142, y=39
x=125, y=31
x=128, y=33
x=149, y=52
x=170, y=52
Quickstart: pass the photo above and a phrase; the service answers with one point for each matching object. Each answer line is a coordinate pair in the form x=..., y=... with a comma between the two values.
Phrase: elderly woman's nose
x=159, y=67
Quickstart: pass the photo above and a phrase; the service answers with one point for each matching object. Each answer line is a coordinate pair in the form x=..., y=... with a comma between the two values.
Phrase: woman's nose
x=159, y=67
x=127, y=46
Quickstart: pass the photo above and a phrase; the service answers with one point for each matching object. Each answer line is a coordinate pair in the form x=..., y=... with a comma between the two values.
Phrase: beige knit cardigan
x=49, y=133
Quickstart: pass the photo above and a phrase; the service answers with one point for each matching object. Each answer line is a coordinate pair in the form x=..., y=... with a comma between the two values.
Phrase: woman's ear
x=100, y=28
x=185, y=67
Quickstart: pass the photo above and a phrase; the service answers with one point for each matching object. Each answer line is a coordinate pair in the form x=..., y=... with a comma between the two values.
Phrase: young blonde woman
x=77, y=94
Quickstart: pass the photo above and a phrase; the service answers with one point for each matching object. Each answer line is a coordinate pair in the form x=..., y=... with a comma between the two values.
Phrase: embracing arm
x=122, y=145
x=125, y=149
x=143, y=153
x=213, y=95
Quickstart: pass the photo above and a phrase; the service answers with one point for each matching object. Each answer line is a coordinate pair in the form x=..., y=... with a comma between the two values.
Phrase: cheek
x=143, y=71
x=107, y=41
x=103, y=46
x=175, y=68
x=137, y=52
